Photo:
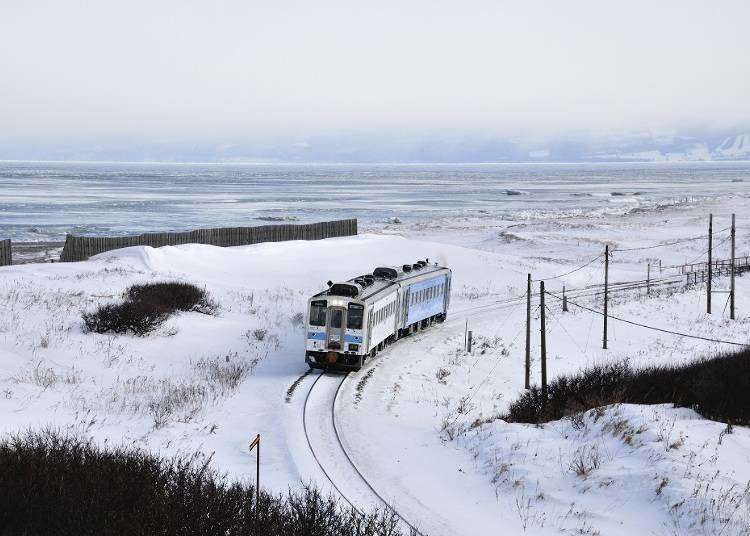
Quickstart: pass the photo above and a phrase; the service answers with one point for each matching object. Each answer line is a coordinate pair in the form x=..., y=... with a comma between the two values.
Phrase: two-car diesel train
x=353, y=320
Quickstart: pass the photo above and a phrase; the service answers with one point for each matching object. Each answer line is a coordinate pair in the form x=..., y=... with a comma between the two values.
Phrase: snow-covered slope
x=733, y=148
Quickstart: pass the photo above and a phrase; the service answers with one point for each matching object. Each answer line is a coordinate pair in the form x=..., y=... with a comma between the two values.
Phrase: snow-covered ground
x=420, y=421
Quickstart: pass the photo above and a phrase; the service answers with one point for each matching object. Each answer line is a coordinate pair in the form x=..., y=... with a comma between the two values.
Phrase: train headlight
x=353, y=347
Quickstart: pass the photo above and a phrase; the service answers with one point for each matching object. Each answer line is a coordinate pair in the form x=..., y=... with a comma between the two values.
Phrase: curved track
x=348, y=462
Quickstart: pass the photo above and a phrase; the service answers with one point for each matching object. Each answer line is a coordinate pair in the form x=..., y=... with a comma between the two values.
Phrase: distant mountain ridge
x=387, y=147
x=736, y=147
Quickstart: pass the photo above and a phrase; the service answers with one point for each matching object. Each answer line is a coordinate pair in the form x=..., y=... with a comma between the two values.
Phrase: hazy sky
x=75, y=70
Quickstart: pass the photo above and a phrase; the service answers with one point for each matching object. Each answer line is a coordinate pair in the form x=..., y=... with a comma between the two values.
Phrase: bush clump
x=63, y=485
x=718, y=388
x=172, y=296
x=147, y=306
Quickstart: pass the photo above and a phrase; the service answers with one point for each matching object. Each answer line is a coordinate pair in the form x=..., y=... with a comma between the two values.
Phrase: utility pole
x=565, y=301
x=543, y=330
x=648, y=279
x=606, y=290
x=731, y=274
x=710, y=261
x=528, y=332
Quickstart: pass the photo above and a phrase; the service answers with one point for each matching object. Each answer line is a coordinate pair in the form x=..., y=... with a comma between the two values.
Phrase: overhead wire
x=589, y=263
x=675, y=242
x=639, y=324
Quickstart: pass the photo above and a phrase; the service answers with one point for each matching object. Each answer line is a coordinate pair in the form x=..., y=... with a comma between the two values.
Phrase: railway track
x=333, y=471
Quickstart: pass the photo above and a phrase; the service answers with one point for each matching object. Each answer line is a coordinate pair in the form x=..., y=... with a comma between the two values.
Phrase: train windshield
x=355, y=315
x=318, y=313
x=336, y=318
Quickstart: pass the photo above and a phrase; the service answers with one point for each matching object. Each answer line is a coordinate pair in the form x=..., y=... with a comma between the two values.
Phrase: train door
x=336, y=328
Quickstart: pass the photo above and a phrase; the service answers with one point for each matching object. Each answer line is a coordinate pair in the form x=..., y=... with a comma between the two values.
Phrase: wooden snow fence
x=79, y=248
x=6, y=258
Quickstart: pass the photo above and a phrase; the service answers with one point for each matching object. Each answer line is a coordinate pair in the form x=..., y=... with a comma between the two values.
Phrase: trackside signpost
x=253, y=444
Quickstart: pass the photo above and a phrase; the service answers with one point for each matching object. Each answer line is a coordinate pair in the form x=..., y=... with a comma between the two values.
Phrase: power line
x=706, y=252
x=571, y=271
x=675, y=242
x=487, y=377
x=647, y=326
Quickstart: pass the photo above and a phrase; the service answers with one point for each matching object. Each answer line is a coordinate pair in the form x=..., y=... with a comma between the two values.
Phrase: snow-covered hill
x=687, y=149
x=733, y=148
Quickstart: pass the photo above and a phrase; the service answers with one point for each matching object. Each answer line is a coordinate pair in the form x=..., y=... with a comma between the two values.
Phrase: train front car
x=335, y=335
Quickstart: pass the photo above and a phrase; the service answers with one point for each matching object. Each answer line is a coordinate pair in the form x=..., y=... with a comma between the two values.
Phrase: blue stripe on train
x=321, y=336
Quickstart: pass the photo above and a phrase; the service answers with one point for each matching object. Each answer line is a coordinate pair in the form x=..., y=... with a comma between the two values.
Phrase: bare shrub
x=44, y=377
x=718, y=388
x=464, y=405
x=139, y=318
x=442, y=374
x=147, y=306
x=180, y=401
x=260, y=334
x=225, y=374
x=297, y=319
x=585, y=459
x=173, y=296
x=79, y=488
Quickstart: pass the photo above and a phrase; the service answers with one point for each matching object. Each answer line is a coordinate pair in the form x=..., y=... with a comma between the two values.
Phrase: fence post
x=468, y=342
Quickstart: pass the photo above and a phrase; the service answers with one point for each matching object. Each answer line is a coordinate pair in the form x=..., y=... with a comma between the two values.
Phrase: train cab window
x=355, y=316
x=336, y=318
x=318, y=313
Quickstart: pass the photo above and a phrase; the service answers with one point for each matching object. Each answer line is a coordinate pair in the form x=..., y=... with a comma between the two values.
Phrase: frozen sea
x=44, y=201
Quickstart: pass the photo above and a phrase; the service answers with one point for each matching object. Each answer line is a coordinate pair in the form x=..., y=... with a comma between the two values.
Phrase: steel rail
x=367, y=483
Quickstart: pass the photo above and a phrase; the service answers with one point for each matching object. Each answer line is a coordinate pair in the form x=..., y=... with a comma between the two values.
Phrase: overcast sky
x=149, y=70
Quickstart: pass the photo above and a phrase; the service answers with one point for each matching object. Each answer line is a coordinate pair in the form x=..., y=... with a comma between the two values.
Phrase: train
x=351, y=321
